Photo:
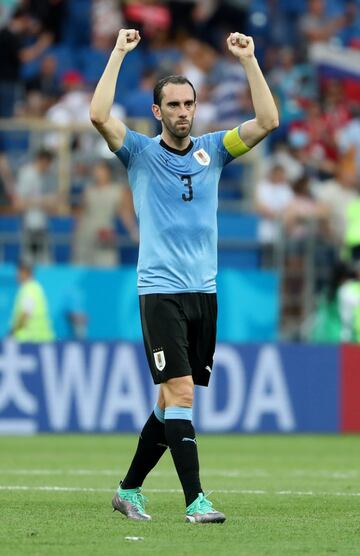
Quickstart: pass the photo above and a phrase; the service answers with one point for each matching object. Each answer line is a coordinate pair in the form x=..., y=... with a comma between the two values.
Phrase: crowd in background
x=52, y=53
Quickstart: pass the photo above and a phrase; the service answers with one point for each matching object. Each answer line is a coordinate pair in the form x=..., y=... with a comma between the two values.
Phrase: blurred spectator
x=302, y=211
x=33, y=107
x=317, y=26
x=352, y=229
x=290, y=156
x=294, y=156
x=292, y=83
x=50, y=13
x=212, y=18
x=349, y=306
x=73, y=106
x=148, y=16
x=337, y=194
x=198, y=63
x=30, y=321
x=162, y=52
x=12, y=55
x=36, y=198
x=334, y=316
x=321, y=152
x=229, y=89
x=7, y=185
x=192, y=17
x=71, y=109
x=106, y=18
x=46, y=81
x=103, y=202
x=272, y=196
x=138, y=104
x=348, y=140
x=335, y=105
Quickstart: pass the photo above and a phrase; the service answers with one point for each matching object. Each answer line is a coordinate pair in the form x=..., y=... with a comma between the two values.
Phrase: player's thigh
x=164, y=329
x=203, y=340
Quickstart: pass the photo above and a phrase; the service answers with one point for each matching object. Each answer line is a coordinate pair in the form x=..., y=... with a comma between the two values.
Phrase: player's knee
x=179, y=392
x=161, y=398
x=185, y=397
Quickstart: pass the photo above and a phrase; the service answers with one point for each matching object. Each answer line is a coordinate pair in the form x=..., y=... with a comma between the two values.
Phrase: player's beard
x=178, y=131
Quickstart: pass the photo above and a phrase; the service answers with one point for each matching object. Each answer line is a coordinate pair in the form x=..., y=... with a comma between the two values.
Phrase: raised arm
x=266, y=114
x=112, y=129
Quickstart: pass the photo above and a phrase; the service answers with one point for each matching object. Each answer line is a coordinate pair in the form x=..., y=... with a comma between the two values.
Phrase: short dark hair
x=176, y=80
x=19, y=12
x=44, y=154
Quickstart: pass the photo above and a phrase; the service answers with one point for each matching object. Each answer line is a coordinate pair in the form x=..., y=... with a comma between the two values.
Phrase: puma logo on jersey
x=202, y=157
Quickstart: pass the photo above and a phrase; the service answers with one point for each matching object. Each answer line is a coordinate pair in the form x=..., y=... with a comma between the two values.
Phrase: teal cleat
x=131, y=503
x=202, y=511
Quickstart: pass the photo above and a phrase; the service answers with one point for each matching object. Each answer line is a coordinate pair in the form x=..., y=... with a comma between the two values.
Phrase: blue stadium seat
x=230, y=183
x=238, y=245
x=10, y=238
x=65, y=58
x=91, y=62
x=128, y=252
x=77, y=23
x=235, y=225
x=61, y=229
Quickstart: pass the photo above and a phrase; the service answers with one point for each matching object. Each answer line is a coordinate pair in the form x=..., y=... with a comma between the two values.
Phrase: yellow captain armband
x=234, y=144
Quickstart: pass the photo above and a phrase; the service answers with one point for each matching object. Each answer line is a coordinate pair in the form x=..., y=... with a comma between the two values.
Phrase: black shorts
x=179, y=334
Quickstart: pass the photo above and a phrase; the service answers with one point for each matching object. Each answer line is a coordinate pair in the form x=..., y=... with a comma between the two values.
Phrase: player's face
x=177, y=109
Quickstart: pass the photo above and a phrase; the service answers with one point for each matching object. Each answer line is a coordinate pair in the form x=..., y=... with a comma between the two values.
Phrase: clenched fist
x=240, y=45
x=127, y=40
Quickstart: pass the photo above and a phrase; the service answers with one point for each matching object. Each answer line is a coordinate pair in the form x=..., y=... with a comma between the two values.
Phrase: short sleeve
x=229, y=145
x=134, y=144
x=217, y=138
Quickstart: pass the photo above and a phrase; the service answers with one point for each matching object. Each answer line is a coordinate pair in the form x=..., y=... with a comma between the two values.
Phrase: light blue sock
x=175, y=412
x=159, y=413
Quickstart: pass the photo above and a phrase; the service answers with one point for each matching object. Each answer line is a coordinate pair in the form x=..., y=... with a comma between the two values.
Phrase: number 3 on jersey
x=187, y=183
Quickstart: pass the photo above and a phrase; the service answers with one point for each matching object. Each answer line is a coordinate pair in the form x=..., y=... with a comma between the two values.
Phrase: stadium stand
x=308, y=49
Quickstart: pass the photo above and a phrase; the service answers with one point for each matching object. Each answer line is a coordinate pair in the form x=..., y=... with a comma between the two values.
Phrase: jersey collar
x=177, y=151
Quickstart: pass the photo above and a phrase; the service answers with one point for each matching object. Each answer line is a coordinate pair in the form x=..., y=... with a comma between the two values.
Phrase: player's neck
x=178, y=143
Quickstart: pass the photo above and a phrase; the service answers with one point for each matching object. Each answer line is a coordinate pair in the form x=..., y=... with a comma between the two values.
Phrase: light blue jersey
x=175, y=199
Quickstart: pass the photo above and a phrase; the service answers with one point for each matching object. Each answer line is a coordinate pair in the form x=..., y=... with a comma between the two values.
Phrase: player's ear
x=156, y=111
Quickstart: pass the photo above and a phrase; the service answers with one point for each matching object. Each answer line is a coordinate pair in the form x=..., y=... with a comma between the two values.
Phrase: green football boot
x=131, y=503
x=202, y=511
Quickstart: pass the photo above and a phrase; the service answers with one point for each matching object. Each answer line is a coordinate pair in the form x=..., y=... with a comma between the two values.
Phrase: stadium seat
x=91, y=63
x=61, y=230
x=64, y=57
x=238, y=245
x=128, y=252
x=77, y=23
x=10, y=238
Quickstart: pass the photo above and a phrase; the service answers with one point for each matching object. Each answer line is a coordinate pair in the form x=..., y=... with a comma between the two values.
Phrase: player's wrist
x=249, y=61
x=118, y=53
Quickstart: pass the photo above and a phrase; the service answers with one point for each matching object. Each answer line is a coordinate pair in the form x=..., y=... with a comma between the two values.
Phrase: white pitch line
x=115, y=472
x=256, y=473
x=172, y=490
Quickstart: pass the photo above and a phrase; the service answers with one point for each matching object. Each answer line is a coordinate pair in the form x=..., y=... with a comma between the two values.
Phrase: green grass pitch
x=283, y=495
